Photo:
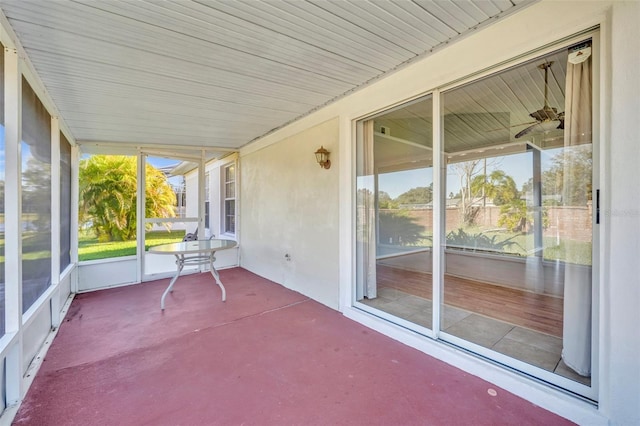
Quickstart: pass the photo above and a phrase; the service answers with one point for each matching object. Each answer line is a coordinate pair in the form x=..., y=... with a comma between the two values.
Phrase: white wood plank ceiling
x=222, y=73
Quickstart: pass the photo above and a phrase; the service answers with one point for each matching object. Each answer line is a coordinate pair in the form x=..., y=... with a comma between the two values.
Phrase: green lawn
x=89, y=248
x=35, y=246
x=566, y=251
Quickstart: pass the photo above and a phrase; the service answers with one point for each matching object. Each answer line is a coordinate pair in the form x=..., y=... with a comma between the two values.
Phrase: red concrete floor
x=267, y=356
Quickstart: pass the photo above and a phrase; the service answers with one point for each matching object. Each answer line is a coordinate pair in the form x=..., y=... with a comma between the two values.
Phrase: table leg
x=180, y=264
x=216, y=276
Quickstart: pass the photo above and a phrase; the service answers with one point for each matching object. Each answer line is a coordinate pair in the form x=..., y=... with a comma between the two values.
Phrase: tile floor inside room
x=533, y=347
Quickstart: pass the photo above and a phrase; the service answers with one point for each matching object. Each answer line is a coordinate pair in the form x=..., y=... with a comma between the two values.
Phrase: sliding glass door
x=395, y=211
x=518, y=245
x=518, y=206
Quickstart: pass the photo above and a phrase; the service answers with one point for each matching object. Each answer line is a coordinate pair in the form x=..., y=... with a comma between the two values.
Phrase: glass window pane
x=519, y=214
x=394, y=202
x=230, y=173
x=230, y=190
x=230, y=216
x=36, y=197
x=229, y=199
x=65, y=202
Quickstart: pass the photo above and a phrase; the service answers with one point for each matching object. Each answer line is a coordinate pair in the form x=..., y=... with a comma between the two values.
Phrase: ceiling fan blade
x=544, y=127
x=525, y=131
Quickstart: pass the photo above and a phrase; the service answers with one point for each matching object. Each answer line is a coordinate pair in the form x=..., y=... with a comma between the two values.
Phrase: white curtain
x=576, y=351
x=366, y=217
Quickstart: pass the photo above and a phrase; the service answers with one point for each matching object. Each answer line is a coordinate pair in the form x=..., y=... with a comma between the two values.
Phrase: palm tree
x=498, y=186
x=108, y=196
x=502, y=190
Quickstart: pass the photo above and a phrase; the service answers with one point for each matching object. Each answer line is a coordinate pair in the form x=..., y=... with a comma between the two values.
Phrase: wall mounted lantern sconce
x=322, y=157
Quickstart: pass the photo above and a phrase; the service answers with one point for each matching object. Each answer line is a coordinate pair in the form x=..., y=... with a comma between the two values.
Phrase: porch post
x=140, y=214
x=75, y=201
x=55, y=220
x=201, y=201
x=13, y=234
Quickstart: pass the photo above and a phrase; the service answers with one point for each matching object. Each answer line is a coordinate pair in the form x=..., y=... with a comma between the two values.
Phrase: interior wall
x=191, y=188
x=289, y=206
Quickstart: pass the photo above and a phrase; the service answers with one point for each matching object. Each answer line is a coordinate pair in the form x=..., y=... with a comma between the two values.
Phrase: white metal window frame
x=223, y=197
x=12, y=343
x=207, y=200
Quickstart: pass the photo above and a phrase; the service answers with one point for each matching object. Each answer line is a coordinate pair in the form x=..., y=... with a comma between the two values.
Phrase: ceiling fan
x=547, y=118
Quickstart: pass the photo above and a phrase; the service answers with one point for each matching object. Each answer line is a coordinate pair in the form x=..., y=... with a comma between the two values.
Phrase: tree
x=514, y=215
x=398, y=227
x=498, y=186
x=468, y=171
x=569, y=177
x=36, y=194
x=108, y=196
x=418, y=195
x=385, y=201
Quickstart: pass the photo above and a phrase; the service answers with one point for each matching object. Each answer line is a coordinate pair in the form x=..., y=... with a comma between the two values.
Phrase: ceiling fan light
x=548, y=118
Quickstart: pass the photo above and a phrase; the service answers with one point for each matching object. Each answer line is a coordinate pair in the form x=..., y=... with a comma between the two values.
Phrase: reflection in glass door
x=518, y=237
x=516, y=218
x=394, y=212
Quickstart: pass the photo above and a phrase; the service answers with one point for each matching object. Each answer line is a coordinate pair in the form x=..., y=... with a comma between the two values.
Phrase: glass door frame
x=440, y=163
x=198, y=158
x=439, y=225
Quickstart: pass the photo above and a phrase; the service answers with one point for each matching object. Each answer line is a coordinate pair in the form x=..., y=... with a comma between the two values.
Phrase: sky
x=518, y=166
x=162, y=162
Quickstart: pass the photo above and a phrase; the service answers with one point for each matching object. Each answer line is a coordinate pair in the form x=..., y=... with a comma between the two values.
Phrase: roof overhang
x=219, y=75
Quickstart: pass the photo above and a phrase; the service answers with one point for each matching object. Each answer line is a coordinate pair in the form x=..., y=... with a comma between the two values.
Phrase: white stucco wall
x=289, y=205
x=620, y=293
x=191, y=188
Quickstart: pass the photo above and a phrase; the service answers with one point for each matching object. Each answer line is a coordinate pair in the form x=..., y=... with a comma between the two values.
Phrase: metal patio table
x=198, y=252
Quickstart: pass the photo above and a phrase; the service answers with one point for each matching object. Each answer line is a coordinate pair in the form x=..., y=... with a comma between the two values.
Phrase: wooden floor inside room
x=534, y=311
